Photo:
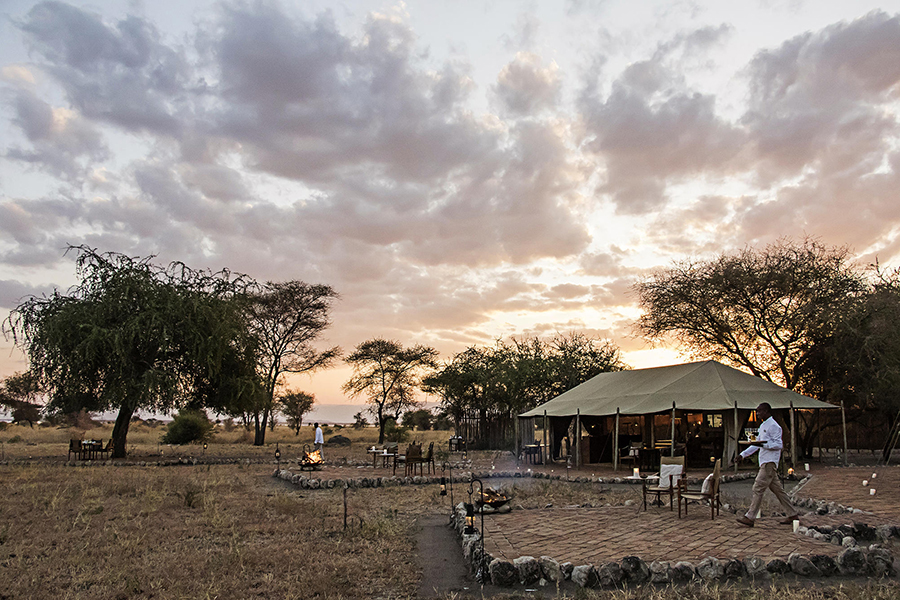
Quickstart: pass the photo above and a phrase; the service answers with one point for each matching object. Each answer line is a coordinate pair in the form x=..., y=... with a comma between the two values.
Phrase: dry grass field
x=145, y=441
x=233, y=531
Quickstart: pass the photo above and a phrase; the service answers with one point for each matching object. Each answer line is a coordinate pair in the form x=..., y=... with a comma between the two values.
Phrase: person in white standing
x=769, y=445
x=320, y=441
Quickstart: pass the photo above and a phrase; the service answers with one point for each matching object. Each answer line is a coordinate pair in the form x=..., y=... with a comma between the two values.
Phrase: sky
x=458, y=171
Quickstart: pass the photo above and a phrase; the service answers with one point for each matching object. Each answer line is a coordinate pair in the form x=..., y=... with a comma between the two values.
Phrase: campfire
x=311, y=460
x=493, y=498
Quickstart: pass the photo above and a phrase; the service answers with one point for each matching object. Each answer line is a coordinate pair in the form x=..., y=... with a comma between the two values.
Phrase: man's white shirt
x=770, y=433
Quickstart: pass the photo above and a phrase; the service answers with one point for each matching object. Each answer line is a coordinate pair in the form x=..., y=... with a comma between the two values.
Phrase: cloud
x=526, y=87
x=651, y=130
x=120, y=73
x=13, y=292
x=62, y=143
x=817, y=101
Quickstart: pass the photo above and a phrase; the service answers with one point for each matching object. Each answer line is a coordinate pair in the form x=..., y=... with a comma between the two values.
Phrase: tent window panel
x=714, y=421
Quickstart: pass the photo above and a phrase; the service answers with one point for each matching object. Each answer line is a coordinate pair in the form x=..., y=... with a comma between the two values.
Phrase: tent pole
x=672, y=441
x=793, y=437
x=545, y=451
x=736, y=436
x=578, y=438
x=844, y=421
x=616, y=443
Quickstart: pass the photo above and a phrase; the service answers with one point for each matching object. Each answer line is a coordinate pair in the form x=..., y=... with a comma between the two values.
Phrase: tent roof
x=699, y=386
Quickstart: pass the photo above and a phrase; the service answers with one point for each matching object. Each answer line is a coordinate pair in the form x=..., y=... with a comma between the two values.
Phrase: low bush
x=188, y=426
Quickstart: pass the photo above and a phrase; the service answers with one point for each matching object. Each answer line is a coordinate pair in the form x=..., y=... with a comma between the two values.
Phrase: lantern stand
x=470, y=524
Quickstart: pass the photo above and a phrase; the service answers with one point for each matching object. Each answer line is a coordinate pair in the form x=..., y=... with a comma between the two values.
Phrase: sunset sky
x=458, y=171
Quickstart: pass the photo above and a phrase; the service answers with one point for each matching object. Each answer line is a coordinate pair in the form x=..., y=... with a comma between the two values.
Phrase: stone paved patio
x=597, y=535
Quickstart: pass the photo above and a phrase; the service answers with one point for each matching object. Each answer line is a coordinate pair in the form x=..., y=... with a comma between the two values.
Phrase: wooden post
x=518, y=438
x=736, y=436
x=793, y=437
x=578, y=438
x=615, y=444
x=672, y=441
x=844, y=421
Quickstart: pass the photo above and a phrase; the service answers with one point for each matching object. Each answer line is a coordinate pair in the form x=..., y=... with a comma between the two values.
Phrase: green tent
x=706, y=386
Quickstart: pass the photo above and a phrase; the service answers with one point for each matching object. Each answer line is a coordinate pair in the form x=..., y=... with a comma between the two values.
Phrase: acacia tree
x=764, y=310
x=286, y=318
x=20, y=393
x=294, y=405
x=132, y=335
x=387, y=373
x=498, y=382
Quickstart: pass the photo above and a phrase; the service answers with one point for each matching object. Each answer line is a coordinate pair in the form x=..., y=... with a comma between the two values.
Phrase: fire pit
x=311, y=461
x=493, y=498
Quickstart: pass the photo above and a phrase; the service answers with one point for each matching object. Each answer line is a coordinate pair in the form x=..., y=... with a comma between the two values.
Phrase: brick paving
x=597, y=535
x=844, y=486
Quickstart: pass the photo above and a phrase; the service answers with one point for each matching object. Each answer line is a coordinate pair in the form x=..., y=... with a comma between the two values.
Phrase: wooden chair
x=428, y=458
x=105, y=450
x=673, y=477
x=74, y=447
x=712, y=495
x=413, y=458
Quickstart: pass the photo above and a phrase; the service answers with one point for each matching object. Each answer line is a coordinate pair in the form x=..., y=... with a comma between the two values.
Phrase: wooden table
x=533, y=453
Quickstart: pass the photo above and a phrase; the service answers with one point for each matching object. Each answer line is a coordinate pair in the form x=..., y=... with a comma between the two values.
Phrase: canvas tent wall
x=704, y=387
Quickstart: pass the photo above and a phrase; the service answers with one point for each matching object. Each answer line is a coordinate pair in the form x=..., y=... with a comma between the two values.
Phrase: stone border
x=632, y=570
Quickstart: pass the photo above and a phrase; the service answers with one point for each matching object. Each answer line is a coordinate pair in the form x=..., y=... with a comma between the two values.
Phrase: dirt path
x=443, y=568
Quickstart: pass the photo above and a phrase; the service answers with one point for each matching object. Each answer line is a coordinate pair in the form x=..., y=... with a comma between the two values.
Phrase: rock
x=825, y=564
x=880, y=562
x=660, y=572
x=848, y=542
x=610, y=574
x=710, y=569
x=636, y=570
x=529, y=569
x=755, y=566
x=864, y=533
x=852, y=561
x=802, y=566
x=550, y=569
x=585, y=576
x=566, y=569
x=734, y=569
x=802, y=530
x=338, y=440
x=883, y=532
x=682, y=572
x=504, y=509
x=503, y=573
x=776, y=566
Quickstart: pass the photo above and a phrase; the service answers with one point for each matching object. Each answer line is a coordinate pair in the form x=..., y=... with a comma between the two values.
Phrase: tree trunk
x=380, y=415
x=120, y=430
x=260, y=438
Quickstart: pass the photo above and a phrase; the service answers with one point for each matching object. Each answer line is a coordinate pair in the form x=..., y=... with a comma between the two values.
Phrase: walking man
x=319, y=443
x=769, y=445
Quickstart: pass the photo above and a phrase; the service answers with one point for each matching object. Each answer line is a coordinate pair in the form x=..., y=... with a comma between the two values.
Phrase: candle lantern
x=470, y=518
x=443, y=486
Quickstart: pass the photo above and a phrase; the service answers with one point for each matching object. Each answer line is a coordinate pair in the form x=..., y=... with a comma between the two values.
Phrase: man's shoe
x=789, y=520
x=745, y=521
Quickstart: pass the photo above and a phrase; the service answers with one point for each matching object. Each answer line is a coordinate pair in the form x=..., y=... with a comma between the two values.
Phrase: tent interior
x=702, y=410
